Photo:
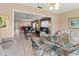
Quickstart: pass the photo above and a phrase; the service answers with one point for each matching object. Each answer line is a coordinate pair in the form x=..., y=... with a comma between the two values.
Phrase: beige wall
x=63, y=18
x=6, y=9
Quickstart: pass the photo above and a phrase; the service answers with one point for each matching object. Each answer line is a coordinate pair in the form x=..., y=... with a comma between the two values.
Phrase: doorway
x=22, y=19
x=20, y=15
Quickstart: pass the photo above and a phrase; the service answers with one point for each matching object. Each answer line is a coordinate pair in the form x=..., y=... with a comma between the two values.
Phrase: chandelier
x=54, y=6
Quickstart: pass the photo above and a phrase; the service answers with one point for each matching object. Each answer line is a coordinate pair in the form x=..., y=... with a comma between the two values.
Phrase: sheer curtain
x=75, y=36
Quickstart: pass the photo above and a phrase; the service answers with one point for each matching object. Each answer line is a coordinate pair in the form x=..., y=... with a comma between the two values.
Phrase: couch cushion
x=7, y=42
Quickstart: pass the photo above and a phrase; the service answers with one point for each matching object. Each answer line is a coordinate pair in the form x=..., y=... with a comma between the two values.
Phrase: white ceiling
x=64, y=6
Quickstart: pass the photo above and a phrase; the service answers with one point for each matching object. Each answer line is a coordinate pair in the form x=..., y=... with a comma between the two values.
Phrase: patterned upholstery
x=63, y=41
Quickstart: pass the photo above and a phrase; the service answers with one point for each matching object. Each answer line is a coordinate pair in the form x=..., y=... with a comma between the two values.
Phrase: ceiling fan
x=52, y=6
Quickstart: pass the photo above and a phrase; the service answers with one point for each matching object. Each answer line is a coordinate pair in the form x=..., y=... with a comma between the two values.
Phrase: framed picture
x=3, y=22
x=74, y=22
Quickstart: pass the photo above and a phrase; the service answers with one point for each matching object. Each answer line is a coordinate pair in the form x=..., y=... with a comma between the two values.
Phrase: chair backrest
x=33, y=43
x=63, y=38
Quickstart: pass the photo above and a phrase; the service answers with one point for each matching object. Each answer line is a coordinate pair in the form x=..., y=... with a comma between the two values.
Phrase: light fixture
x=55, y=6
x=51, y=8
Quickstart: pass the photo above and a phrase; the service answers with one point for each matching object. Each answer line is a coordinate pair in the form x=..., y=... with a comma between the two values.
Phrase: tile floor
x=24, y=46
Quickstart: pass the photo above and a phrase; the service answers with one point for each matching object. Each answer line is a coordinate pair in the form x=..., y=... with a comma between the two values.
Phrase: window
x=44, y=24
x=33, y=24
